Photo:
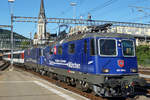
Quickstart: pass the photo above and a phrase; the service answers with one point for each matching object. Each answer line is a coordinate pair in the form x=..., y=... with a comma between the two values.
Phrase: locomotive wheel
x=54, y=76
x=49, y=74
x=42, y=73
x=73, y=83
x=85, y=87
x=37, y=70
x=78, y=85
x=68, y=81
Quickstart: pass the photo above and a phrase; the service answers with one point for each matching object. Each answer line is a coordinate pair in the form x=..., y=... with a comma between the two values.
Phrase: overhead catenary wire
x=135, y=19
x=81, y=2
x=65, y=11
x=138, y=18
x=141, y=10
x=68, y=9
x=101, y=6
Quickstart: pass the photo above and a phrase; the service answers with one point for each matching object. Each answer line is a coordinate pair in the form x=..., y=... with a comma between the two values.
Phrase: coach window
x=5, y=56
x=40, y=52
x=71, y=48
x=107, y=47
x=16, y=56
x=59, y=50
x=92, y=47
x=34, y=52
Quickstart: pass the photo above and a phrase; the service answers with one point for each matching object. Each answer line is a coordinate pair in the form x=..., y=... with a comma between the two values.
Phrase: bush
x=143, y=55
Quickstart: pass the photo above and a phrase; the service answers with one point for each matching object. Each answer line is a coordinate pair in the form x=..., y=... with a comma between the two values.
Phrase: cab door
x=85, y=56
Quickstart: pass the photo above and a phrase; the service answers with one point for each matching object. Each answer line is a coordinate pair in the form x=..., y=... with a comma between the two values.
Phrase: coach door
x=84, y=56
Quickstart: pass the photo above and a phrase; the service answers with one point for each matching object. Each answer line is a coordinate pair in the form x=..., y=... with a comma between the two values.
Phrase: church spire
x=42, y=10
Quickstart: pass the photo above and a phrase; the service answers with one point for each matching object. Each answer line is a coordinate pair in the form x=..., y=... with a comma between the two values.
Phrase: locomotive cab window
x=93, y=50
x=71, y=48
x=107, y=47
x=128, y=48
x=51, y=50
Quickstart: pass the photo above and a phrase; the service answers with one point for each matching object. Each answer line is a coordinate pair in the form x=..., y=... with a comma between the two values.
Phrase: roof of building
x=42, y=10
x=6, y=34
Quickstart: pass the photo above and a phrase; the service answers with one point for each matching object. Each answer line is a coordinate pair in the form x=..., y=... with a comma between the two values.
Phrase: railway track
x=91, y=96
x=144, y=70
x=4, y=66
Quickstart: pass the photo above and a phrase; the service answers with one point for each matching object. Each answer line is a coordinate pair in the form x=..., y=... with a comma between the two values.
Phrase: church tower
x=41, y=27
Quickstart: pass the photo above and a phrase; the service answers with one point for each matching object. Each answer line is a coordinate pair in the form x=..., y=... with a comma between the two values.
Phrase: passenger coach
x=18, y=57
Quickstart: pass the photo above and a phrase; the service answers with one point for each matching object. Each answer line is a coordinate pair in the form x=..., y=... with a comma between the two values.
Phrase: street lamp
x=73, y=4
x=11, y=11
x=11, y=0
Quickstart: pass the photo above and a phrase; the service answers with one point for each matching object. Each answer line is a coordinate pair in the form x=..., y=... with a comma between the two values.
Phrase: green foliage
x=25, y=44
x=143, y=55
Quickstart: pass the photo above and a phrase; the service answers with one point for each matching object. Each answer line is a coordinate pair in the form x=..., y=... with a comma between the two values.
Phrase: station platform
x=20, y=85
x=16, y=84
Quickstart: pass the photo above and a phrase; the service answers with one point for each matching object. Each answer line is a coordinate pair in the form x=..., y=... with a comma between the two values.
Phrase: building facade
x=18, y=43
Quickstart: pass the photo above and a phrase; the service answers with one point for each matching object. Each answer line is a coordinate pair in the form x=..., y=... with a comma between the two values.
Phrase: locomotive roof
x=120, y=35
x=87, y=35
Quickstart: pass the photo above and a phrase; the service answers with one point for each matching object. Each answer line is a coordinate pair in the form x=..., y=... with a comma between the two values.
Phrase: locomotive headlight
x=119, y=45
x=133, y=70
x=119, y=40
x=105, y=70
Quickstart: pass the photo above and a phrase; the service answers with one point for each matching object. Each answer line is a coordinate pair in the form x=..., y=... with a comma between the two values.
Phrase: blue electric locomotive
x=103, y=62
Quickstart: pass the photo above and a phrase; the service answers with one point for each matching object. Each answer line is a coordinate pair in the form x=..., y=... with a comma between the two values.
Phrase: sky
x=109, y=10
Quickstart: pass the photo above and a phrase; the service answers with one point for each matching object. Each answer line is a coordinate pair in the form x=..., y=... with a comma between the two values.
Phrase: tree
x=25, y=44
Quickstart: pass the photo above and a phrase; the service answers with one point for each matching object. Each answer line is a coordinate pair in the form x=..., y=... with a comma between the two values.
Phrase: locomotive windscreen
x=128, y=48
x=107, y=47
